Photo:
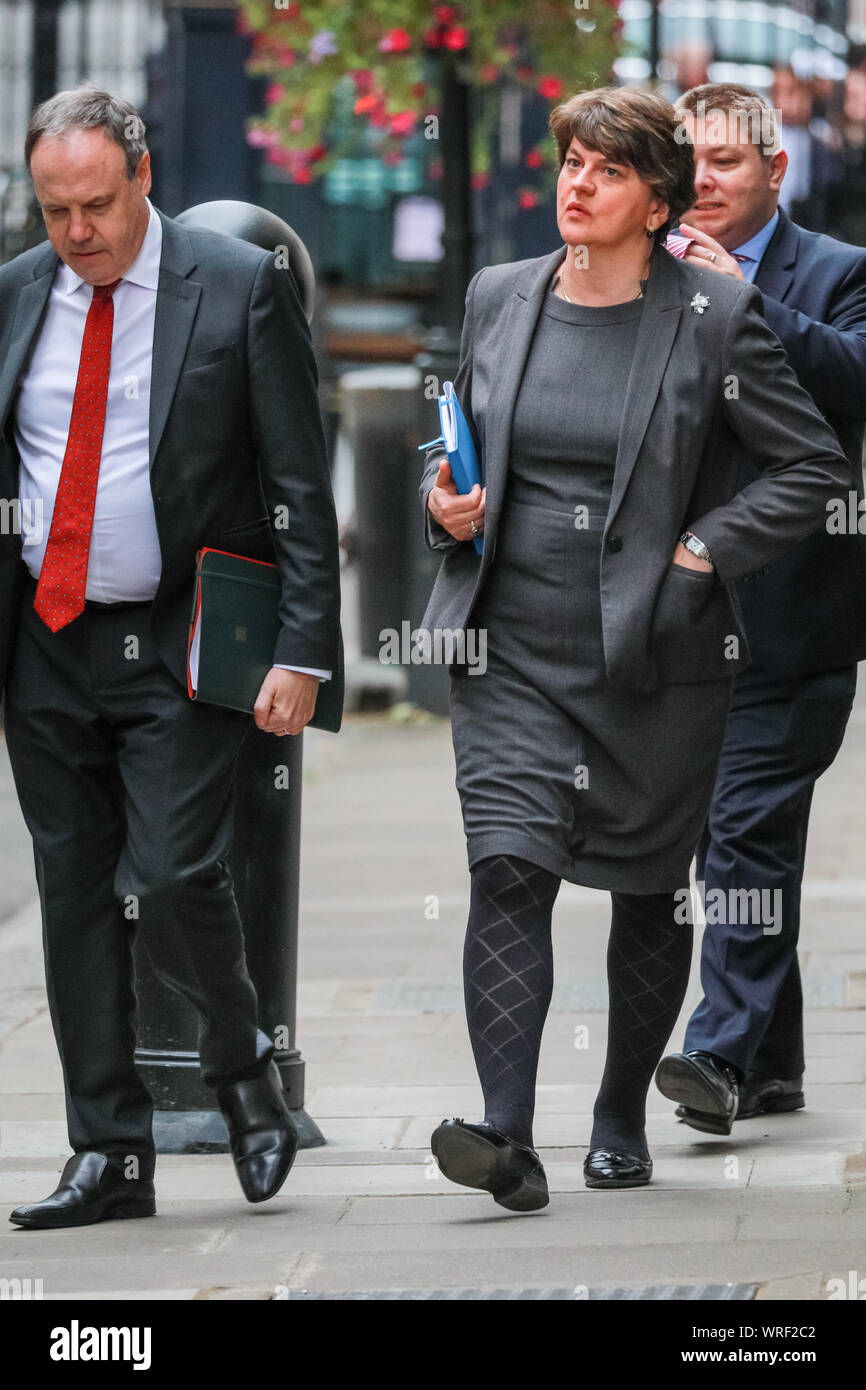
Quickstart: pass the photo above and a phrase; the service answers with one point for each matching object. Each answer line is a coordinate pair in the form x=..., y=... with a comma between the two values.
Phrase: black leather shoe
x=90, y=1190
x=706, y=1087
x=607, y=1168
x=477, y=1155
x=760, y=1095
x=262, y=1136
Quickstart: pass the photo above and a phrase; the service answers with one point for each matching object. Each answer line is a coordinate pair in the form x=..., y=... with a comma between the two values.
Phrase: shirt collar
x=755, y=247
x=144, y=269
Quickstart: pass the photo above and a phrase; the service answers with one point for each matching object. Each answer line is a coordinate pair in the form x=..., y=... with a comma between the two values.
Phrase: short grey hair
x=89, y=107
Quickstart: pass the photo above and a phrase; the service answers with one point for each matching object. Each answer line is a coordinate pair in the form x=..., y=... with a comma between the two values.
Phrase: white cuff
x=305, y=671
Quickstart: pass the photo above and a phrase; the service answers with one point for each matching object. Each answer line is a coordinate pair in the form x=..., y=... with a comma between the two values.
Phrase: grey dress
x=595, y=784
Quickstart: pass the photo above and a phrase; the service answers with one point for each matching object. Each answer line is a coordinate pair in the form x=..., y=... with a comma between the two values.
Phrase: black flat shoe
x=705, y=1087
x=262, y=1136
x=769, y=1096
x=90, y=1190
x=477, y=1155
x=607, y=1168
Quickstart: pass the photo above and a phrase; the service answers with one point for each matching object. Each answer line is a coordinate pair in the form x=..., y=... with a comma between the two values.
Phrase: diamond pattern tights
x=508, y=982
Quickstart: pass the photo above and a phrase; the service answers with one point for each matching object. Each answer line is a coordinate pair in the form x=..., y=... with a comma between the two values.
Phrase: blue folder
x=459, y=446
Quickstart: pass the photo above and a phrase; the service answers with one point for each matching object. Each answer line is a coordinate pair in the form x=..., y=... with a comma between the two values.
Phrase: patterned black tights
x=508, y=981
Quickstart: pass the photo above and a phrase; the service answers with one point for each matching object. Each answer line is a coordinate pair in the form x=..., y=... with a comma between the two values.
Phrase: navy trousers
x=780, y=737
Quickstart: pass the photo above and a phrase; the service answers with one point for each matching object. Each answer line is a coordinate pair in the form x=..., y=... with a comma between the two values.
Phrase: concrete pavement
x=779, y=1207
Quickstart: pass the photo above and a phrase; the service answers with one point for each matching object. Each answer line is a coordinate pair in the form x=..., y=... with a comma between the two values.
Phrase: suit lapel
x=660, y=320
x=775, y=274
x=29, y=309
x=176, y=306
x=659, y=323
x=515, y=337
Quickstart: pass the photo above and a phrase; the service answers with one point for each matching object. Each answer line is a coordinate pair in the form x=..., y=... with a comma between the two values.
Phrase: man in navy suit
x=805, y=620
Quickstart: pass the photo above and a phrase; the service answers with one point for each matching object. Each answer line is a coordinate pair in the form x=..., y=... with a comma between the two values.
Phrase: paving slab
x=779, y=1204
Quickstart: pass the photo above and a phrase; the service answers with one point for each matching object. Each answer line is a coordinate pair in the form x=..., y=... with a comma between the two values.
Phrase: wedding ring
x=473, y=528
x=713, y=256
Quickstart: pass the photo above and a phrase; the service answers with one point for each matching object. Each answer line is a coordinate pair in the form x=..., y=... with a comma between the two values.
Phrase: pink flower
x=550, y=87
x=402, y=123
x=395, y=41
x=457, y=38
x=526, y=198
x=262, y=139
x=275, y=93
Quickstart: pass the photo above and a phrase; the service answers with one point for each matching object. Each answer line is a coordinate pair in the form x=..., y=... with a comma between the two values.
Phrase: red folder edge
x=210, y=550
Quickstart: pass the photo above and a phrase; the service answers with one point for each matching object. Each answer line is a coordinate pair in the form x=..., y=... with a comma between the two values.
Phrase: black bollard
x=265, y=861
x=379, y=409
x=386, y=415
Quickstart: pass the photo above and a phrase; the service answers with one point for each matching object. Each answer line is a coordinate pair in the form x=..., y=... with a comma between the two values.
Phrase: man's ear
x=143, y=174
x=778, y=165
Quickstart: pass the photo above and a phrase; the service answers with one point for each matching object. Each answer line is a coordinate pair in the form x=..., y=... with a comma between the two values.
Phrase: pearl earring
x=650, y=231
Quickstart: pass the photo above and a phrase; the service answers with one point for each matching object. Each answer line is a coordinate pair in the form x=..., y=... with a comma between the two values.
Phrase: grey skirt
x=603, y=787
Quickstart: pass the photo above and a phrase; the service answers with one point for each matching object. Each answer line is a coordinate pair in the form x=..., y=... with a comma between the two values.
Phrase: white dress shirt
x=125, y=561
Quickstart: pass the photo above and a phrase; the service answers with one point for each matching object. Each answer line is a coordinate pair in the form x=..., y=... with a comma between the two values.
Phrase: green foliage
x=352, y=75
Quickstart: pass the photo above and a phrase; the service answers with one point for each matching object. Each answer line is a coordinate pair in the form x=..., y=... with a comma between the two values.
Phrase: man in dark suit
x=805, y=620
x=157, y=395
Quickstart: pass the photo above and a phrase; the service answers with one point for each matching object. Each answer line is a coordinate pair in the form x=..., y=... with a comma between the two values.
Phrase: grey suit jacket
x=706, y=391
x=235, y=432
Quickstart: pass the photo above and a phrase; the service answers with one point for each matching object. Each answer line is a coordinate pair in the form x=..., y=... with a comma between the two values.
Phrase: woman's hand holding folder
x=461, y=514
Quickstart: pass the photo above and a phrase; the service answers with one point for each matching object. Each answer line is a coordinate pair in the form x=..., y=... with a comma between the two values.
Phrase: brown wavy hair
x=637, y=128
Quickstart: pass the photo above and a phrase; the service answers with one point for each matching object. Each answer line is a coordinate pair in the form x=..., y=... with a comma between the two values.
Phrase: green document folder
x=233, y=633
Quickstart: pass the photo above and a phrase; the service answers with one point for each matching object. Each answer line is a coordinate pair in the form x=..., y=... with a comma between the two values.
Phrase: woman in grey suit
x=613, y=393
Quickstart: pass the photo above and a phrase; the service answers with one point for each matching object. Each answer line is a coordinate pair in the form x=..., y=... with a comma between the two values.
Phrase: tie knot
x=105, y=291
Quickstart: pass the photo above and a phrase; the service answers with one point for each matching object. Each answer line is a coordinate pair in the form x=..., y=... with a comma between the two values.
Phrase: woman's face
x=602, y=203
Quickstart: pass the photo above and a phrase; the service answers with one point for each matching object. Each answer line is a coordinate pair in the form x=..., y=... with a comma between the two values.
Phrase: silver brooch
x=699, y=303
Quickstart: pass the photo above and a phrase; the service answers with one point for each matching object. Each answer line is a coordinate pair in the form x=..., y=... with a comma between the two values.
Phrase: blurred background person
x=846, y=201
x=813, y=165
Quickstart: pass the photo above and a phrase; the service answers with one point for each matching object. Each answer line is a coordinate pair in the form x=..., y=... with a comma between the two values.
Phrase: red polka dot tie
x=63, y=577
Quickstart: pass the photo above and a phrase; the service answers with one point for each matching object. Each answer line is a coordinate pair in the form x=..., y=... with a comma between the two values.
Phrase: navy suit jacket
x=807, y=613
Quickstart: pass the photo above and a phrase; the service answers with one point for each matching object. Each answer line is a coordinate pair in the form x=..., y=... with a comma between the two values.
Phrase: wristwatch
x=695, y=546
